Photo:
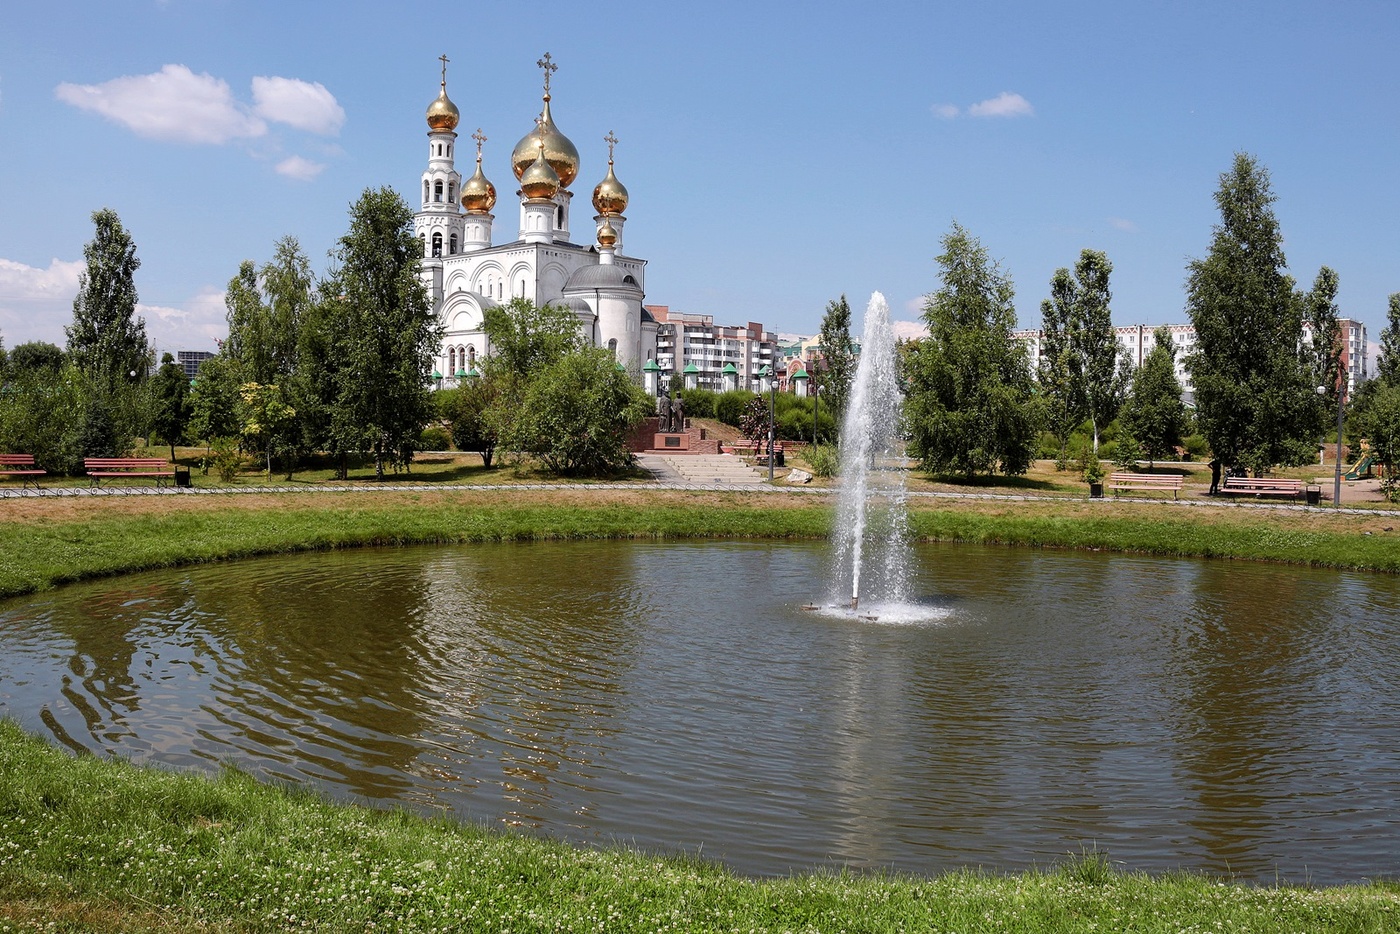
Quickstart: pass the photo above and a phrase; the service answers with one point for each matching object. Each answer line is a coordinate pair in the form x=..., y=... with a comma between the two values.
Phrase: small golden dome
x=478, y=194
x=539, y=181
x=442, y=113
x=606, y=235
x=559, y=151
x=610, y=197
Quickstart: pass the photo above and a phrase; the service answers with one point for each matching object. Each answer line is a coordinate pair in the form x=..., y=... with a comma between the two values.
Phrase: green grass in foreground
x=93, y=845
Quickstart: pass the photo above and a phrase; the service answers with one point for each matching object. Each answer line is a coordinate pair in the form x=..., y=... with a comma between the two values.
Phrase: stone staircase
x=706, y=469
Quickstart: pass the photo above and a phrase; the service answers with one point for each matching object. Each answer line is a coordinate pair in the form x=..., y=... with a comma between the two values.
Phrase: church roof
x=601, y=276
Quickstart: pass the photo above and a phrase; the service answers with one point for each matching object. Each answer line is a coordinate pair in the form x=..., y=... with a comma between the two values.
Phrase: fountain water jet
x=871, y=559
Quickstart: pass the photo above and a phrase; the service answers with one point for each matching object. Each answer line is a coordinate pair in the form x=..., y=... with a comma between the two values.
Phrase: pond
x=1223, y=717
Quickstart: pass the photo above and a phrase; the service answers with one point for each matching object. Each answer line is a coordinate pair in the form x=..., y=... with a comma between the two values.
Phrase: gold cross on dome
x=611, y=141
x=549, y=68
x=480, y=138
x=444, y=59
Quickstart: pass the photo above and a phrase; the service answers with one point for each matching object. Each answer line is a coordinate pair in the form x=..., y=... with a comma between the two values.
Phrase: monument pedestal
x=670, y=441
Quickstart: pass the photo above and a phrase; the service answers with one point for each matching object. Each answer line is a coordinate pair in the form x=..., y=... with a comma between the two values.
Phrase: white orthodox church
x=466, y=272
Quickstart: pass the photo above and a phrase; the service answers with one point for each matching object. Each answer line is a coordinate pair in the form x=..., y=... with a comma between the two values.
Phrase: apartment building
x=694, y=346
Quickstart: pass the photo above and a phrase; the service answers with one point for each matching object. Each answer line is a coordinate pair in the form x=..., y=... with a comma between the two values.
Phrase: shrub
x=729, y=406
x=824, y=459
x=434, y=438
x=1196, y=446
x=699, y=403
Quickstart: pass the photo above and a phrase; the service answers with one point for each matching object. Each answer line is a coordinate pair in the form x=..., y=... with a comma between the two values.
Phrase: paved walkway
x=665, y=477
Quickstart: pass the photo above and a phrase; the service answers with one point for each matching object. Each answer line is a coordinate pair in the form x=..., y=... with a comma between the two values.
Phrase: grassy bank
x=90, y=845
x=53, y=541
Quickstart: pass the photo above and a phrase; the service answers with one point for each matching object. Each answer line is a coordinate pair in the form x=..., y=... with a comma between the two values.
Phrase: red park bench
x=100, y=468
x=22, y=466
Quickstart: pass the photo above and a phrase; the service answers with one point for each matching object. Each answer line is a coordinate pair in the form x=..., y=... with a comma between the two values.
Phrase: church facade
x=467, y=272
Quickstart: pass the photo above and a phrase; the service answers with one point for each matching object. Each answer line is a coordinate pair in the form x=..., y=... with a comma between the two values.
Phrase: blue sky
x=777, y=155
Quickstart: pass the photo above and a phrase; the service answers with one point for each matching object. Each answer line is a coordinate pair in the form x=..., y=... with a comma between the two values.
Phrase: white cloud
x=1005, y=104
x=301, y=104
x=1123, y=224
x=192, y=325
x=36, y=303
x=301, y=169
x=909, y=330
x=173, y=104
x=946, y=111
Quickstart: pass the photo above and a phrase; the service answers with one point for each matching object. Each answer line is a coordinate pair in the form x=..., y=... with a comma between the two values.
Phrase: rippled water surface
x=1216, y=716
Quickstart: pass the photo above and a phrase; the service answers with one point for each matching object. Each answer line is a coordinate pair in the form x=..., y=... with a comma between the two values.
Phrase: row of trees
x=1264, y=390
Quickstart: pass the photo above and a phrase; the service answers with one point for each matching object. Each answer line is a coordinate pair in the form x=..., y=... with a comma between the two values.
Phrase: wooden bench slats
x=1144, y=481
x=1262, y=486
x=22, y=466
x=99, y=468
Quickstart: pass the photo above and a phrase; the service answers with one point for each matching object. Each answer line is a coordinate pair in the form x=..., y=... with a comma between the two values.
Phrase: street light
x=1341, y=399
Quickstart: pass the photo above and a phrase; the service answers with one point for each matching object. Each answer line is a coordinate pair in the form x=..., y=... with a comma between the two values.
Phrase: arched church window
x=424, y=238
x=437, y=244
x=451, y=192
x=451, y=360
x=559, y=217
x=612, y=347
x=471, y=355
x=425, y=191
x=452, y=245
x=437, y=192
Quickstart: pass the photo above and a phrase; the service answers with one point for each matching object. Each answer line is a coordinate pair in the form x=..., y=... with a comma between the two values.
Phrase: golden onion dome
x=478, y=194
x=559, y=151
x=606, y=235
x=610, y=197
x=539, y=182
x=442, y=113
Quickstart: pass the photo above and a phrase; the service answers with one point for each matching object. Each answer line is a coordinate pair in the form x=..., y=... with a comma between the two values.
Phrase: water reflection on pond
x=1216, y=716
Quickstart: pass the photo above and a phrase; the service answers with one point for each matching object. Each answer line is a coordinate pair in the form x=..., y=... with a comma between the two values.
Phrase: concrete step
x=713, y=468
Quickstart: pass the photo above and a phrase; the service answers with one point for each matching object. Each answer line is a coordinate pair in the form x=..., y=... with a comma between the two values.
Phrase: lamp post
x=1341, y=401
x=772, y=423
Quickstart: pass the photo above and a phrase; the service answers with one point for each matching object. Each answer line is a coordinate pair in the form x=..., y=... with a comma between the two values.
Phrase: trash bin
x=778, y=458
x=182, y=476
x=1313, y=494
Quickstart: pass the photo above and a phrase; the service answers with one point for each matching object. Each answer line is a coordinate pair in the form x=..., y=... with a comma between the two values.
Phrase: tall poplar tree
x=385, y=333
x=1388, y=366
x=969, y=408
x=839, y=353
x=106, y=340
x=1079, y=374
x=1256, y=401
x=1153, y=413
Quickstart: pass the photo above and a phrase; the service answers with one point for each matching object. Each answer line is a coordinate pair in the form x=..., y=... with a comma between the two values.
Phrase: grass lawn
x=90, y=845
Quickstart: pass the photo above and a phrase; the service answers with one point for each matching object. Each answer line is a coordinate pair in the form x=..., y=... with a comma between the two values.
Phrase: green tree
x=107, y=340
x=969, y=408
x=266, y=421
x=839, y=355
x=579, y=413
x=44, y=412
x=1388, y=366
x=525, y=337
x=170, y=401
x=36, y=355
x=1060, y=392
x=468, y=408
x=386, y=334
x=1080, y=374
x=1256, y=401
x=1153, y=414
x=1322, y=356
x=214, y=403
